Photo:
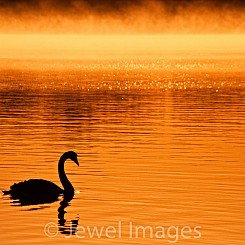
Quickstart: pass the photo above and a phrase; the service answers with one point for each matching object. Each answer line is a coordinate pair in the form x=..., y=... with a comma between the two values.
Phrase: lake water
x=160, y=143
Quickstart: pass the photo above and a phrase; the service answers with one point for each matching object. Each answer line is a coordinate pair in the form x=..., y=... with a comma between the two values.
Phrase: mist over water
x=128, y=17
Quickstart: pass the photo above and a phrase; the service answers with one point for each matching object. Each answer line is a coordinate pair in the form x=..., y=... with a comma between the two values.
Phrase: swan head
x=73, y=156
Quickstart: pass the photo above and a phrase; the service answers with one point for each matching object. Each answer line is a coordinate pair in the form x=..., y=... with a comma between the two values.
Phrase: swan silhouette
x=39, y=191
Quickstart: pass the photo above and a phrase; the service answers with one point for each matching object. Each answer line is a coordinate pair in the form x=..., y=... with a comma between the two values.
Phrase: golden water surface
x=160, y=142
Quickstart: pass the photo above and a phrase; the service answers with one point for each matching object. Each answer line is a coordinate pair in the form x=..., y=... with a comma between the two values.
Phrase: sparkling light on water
x=126, y=75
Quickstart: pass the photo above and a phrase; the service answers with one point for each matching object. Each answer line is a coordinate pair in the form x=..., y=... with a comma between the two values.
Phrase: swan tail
x=6, y=192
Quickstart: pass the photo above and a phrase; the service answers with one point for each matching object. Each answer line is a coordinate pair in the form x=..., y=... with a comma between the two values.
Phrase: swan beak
x=76, y=161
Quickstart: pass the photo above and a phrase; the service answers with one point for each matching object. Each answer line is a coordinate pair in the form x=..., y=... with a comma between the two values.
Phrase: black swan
x=38, y=191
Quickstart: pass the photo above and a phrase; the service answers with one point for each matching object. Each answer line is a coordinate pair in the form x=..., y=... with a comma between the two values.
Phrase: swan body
x=36, y=191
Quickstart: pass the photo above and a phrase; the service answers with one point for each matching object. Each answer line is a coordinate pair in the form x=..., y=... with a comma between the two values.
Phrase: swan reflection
x=66, y=227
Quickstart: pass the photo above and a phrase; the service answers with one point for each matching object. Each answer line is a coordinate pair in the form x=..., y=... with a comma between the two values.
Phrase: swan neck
x=63, y=178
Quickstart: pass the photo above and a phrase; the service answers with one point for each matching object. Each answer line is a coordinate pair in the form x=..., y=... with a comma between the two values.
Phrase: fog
x=122, y=17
